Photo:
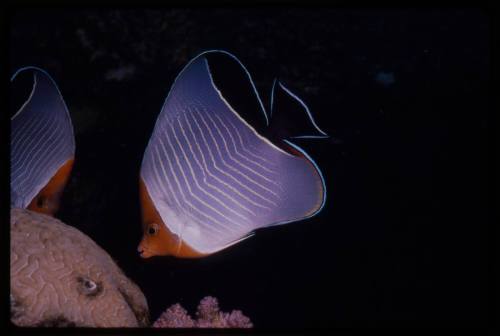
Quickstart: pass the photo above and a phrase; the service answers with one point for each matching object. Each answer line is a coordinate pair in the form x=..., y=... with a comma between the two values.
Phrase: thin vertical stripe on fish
x=42, y=146
x=209, y=179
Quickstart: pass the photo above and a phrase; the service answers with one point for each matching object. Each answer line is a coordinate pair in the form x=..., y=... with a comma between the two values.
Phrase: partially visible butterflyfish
x=42, y=146
x=209, y=179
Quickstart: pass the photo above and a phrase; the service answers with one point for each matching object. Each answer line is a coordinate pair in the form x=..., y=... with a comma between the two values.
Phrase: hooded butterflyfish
x=209, y=178
x=42, y=146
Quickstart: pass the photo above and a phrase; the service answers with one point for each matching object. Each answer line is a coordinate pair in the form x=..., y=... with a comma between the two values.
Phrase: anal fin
x=236, y=241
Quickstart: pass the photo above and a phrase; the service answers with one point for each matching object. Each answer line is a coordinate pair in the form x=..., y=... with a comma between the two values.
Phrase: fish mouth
x=144, y=252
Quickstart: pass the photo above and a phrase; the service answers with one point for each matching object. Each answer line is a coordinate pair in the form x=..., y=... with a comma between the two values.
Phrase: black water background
x=402, y=237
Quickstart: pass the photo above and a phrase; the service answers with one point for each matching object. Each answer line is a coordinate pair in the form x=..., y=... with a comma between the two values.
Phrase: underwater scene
x=267, y=168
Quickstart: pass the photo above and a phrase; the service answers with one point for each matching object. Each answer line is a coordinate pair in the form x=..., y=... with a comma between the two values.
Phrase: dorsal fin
x=235, y=83
x=290, y=116
x=42, y=146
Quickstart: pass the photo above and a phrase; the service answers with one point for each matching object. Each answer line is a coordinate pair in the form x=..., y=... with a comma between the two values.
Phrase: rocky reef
x=61, y=277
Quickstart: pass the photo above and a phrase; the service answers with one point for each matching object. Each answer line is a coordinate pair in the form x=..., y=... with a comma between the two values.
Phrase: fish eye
x=41, y=202
x=153, y=229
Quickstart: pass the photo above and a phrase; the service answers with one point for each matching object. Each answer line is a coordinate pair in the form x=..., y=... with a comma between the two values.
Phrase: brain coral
x=61, y=277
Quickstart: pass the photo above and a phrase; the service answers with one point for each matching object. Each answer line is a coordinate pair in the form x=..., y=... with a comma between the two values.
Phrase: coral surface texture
x=61, y=277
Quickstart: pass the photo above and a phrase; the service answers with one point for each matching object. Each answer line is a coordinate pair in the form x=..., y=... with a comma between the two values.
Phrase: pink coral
x=208, y=316
x=174, y=317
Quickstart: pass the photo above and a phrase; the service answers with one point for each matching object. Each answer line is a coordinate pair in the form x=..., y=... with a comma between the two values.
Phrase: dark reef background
x=404, y=95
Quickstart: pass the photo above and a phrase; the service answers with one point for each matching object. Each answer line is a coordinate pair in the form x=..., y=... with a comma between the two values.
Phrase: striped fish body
x=42, y=146
x=212, y=179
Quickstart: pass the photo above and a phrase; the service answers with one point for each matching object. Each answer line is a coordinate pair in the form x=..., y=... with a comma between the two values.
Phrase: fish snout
x=143, y=251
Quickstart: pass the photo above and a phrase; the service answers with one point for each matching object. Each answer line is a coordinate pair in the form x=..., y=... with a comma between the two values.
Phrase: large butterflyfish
x=209, y=178
x=42, y=146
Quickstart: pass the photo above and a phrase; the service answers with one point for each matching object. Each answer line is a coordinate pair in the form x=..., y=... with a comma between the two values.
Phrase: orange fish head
x=45, y=203
x=48, y=200
x=157, y=241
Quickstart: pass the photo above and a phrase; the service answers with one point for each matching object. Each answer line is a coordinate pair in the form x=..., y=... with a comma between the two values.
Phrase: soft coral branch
x=208, y=316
